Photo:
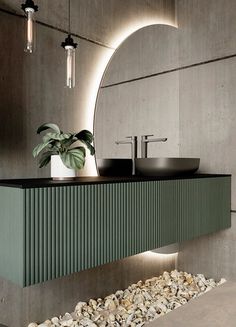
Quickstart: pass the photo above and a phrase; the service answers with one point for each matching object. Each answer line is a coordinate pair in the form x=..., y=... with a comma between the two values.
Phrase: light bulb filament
x=29, y=30
x=70, y=66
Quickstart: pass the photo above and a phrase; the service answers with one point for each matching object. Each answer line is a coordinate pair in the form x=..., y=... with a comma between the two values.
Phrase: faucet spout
x=133, y=140
x=163, y=139
x=144, y=142
x=123, y=142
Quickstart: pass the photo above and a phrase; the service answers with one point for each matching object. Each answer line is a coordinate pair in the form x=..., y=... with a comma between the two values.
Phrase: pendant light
x=69, y=47
x=29, y=8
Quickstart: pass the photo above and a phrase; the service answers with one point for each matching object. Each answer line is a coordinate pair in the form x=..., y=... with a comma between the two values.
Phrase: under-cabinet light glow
x=167, y=249
x=161, y=255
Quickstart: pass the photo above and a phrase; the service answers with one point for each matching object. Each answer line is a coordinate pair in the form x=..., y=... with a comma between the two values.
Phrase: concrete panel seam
x=169, y=71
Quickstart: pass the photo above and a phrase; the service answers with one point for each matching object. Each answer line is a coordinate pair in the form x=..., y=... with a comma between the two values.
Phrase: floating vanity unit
x=50, y=229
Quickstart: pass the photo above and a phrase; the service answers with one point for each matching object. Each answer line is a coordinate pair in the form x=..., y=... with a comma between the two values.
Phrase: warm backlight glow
x=98, y=72
x=134, y=26
x=91, y=96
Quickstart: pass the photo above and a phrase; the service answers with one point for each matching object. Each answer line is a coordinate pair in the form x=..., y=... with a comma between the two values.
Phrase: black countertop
x=48, y=182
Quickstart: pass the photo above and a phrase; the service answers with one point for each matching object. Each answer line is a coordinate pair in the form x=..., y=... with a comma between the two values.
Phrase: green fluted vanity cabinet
x=48, y=232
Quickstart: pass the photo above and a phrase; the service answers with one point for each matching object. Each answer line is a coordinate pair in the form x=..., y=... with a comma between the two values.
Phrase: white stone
x=55, y=321
x=110, y=305
x=66, y=320
x=80, y=306
x=119, y=294
x=111, y=318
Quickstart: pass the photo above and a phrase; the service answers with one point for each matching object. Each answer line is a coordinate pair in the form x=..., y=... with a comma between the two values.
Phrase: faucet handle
x=146, y=136
x=131, y=137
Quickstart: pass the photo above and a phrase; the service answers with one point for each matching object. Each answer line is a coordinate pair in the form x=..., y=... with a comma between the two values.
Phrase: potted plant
x=57, y=147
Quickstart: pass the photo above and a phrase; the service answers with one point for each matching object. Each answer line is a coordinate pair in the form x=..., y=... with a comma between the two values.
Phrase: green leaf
x=39, y=148
x=45, y=158
x=80, y=148
x=86, y=137
x=90, y=147
x=57, y=136
x=74, y=158
x=47, y=126
x=67, y=142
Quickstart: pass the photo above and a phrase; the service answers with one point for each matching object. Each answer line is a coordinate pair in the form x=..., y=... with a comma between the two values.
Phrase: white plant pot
x=59, y=171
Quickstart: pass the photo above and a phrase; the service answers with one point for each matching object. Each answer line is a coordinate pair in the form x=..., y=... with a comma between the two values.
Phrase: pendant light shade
x=29, y=8
x=70, y=47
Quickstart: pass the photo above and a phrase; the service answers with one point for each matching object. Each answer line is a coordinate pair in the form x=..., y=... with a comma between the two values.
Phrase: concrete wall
x=207, y=102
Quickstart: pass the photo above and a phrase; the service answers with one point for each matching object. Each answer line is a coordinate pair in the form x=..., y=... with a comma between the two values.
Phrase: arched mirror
x=139, y=95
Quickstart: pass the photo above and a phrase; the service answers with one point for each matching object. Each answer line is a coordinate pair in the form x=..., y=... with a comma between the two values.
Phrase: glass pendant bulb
x=70, y=47
x=29, y=8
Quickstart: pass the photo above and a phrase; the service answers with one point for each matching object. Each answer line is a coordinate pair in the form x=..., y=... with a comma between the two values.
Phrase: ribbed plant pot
x=59, y=171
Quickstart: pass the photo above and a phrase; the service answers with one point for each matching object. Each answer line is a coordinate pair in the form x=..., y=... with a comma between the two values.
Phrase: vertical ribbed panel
x=72, y=228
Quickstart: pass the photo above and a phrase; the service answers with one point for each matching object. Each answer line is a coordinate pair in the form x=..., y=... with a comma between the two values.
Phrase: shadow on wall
x=4, y=4
x=12, y=109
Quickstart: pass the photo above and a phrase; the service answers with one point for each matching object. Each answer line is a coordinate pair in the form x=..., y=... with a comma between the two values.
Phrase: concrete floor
x=215, y=308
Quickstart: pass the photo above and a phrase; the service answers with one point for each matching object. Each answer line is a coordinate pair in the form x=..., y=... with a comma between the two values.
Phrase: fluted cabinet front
x=67, y=229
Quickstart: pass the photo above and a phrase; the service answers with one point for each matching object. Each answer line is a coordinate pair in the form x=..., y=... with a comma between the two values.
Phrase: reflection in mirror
x=139, y=95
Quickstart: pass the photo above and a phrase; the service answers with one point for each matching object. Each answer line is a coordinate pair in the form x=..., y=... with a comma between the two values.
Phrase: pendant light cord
x=69, y=15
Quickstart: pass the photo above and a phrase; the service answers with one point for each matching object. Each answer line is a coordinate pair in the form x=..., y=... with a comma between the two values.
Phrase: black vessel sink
x=166, y=166
x=114, y=167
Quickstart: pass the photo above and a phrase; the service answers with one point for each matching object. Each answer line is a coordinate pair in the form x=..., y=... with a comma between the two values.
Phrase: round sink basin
x=166, y=166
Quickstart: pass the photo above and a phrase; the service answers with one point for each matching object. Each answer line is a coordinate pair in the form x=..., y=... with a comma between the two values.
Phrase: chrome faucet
x=144, y=142
x=133, y=140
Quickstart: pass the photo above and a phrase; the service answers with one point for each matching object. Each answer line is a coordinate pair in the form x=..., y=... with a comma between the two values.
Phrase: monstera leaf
x=46, y=126
x=74, y=158
x=86, y=137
